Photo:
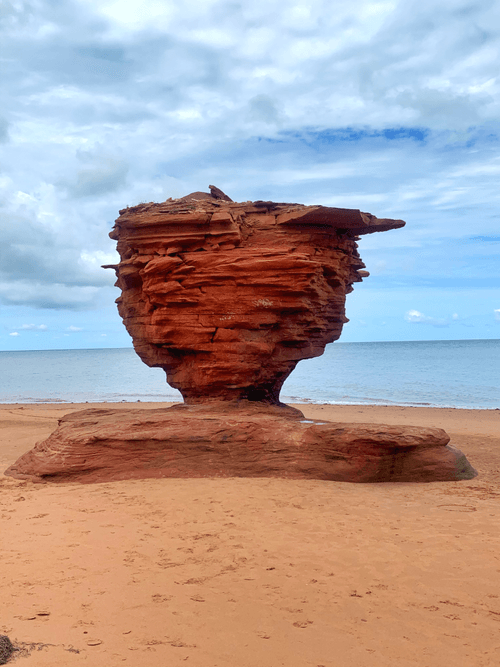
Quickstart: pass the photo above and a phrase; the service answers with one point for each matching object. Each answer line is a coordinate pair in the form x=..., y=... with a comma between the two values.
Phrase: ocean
x=459, y=374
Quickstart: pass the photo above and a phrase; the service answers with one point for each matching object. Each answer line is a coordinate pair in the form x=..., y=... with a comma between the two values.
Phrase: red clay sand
x=255, y=572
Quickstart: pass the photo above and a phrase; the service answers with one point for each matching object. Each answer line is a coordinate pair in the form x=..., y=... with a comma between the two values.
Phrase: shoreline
x=292, y=401
x=254, y=572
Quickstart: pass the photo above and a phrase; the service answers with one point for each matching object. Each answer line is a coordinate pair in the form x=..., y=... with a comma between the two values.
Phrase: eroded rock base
x=241, y=439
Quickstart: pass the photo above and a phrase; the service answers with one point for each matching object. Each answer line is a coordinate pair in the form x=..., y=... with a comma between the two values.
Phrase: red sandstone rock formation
x=244, y=440
x=228, y=297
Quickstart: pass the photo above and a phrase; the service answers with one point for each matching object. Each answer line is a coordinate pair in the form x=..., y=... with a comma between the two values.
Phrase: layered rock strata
x=227, y=297
x=237, y=440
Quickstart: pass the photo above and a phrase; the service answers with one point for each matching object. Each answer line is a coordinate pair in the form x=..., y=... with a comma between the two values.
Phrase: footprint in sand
x=94, y=642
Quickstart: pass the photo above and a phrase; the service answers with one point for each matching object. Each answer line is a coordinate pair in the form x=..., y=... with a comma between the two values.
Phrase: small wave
x=387, y=404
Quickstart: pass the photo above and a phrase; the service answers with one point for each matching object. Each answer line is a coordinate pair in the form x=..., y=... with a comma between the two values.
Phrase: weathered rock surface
x=237, y=440
x=227, y=297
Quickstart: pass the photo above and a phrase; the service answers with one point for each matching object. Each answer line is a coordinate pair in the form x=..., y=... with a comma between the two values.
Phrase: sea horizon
x=452, y=374
x=337, y=342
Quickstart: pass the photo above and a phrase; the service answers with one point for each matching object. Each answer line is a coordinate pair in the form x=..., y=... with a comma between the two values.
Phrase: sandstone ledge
x=236, y=440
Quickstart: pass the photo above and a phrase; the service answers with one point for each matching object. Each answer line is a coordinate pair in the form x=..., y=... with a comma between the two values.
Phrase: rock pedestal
x=243, y=439
x=227, y=298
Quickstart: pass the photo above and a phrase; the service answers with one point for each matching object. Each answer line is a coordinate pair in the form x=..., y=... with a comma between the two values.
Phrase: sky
x=392, y=107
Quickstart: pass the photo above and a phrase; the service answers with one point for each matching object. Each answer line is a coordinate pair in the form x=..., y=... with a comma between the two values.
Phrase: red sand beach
x=254, y=572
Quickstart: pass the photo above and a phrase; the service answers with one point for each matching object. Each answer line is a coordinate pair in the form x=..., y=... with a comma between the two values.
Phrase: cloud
x=46, y=257
x=496, y=314
x=388, y=106
x=53, y=296
x=372, y=63
x=415, y=316
x=101, y=175
x=468, y=321
x=4, y=130
x=262, y=109
x=74, y=329
x=34, y=327
x=14, y=333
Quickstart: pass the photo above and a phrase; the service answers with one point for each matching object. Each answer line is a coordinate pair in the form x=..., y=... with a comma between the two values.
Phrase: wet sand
x=254, y=572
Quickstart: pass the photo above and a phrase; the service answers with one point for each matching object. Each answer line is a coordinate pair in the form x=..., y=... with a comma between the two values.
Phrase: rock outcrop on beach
x=227, y=297
x=244, y=439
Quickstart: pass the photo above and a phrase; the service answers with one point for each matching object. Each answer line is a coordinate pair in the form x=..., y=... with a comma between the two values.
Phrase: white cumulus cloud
x=34, y=327
x=416, y=316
